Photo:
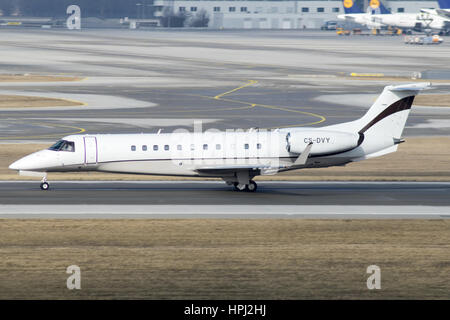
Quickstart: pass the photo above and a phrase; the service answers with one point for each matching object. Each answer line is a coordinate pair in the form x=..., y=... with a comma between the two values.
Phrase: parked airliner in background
x=236, y=157
x=443, y=11
x=354, y=14
x=427, y=20
x=441, y=15
x=378, y=16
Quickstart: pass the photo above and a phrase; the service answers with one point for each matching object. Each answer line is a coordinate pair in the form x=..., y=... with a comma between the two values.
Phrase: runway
x=274, y=199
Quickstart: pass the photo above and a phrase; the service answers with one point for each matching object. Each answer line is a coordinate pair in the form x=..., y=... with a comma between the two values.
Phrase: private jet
x=236, y=156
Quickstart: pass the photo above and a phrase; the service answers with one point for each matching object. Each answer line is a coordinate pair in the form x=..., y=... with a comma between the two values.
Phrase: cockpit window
x=63, y=145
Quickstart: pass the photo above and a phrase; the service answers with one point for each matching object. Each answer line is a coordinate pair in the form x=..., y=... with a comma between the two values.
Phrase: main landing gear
x=250, y=187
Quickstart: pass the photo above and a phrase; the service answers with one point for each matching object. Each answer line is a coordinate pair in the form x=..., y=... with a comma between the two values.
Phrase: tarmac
x=141, y=81
x=144, y=80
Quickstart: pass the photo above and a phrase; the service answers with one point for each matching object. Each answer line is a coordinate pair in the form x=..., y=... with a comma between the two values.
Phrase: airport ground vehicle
x=343, y=32
x=329, y=25
x=421, y=40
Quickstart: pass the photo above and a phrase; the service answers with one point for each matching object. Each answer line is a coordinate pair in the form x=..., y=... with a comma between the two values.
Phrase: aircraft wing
x=349, y=18
x=220, y=170
x=230, y=169
x=443, y=13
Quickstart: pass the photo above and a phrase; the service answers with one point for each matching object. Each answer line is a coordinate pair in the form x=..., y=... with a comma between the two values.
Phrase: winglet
x=303, y=157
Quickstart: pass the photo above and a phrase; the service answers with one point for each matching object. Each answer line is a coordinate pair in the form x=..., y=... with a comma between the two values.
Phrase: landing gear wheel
x=252, y=186
x=45, y=186
x=239, y=187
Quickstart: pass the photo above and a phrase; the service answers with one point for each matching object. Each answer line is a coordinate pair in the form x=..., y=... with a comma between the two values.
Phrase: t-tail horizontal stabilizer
x=411, y=87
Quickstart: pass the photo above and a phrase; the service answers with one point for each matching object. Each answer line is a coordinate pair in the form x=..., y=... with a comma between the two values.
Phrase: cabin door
x=90, y=150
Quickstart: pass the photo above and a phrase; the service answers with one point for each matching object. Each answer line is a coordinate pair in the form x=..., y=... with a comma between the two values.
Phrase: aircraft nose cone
x=26, y=163
x=16, y=165
x=36, y=161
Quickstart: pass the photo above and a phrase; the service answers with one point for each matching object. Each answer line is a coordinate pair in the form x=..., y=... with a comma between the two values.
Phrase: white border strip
x=222, y=211
x=297, y=182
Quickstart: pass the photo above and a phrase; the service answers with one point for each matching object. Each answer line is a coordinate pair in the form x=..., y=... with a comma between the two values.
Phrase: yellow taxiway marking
x=322, y=118
x=54, y=135
x=248, y=105
x=252, y=105
x=249, y=83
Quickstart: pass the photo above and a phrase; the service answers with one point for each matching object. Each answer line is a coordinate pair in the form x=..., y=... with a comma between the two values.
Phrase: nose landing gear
x=44, y=184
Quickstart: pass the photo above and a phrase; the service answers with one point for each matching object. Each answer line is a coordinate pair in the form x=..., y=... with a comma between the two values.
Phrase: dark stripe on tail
x=400, y=105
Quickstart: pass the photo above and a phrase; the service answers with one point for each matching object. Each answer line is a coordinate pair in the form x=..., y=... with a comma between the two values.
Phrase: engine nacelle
x=324, y=142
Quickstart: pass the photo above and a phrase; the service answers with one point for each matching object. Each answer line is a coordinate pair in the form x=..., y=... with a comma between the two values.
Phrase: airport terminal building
x=288, y=14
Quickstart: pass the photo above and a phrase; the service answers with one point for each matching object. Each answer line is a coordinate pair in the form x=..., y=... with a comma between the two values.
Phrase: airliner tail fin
x=350, y=7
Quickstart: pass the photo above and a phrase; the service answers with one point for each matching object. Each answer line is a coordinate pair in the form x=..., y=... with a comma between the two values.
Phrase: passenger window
x=218, y=146
x=205, y=147
x=179, y=147
x=133, y=148
x=246, y=146
x=155, y=147
x=258, y=146
x=192, y=147
x=166, y=147
x=144, y=148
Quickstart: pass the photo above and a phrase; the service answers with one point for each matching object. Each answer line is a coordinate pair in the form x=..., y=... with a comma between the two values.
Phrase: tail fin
x=444, y=4
x=383, y=9
x=350, y=7
x=380, y=129
x=387, y=116
x=377, y=7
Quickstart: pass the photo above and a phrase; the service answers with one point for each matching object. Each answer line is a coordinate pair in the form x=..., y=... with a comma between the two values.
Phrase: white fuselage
x=183, y=154
x=411, y=20
x=399, y=20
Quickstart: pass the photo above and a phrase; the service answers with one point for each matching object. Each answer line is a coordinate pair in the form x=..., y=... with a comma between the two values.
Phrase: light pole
x=170, y=12
x=138, y=5
x=149, y=10
x=144, y=4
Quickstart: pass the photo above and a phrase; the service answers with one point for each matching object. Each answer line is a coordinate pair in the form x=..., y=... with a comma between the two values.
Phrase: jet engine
x=324, y=142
